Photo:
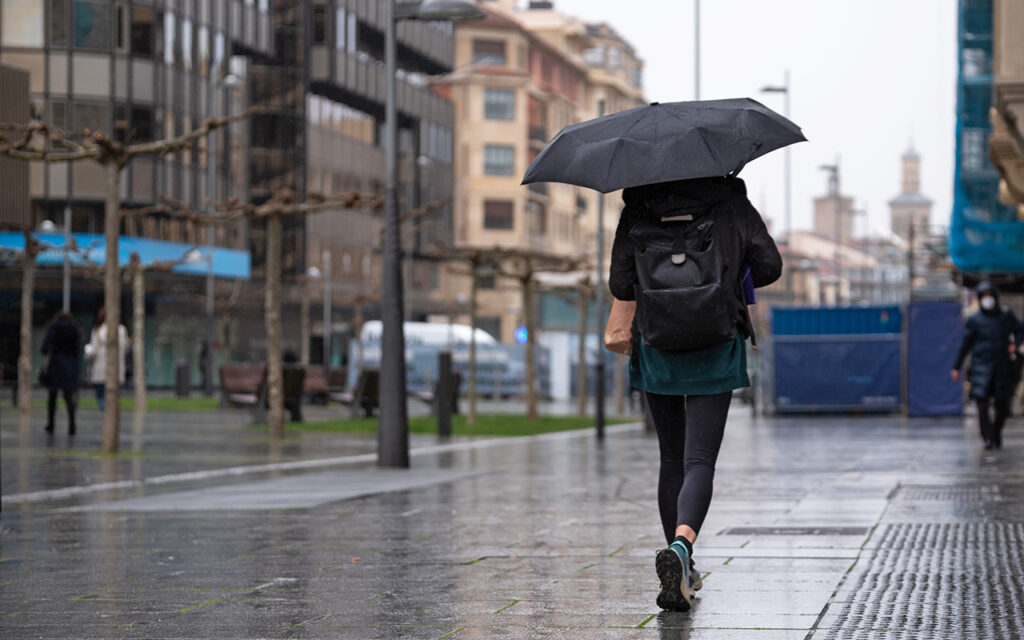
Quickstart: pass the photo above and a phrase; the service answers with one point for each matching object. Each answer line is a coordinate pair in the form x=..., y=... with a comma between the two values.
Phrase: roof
x=227, y=263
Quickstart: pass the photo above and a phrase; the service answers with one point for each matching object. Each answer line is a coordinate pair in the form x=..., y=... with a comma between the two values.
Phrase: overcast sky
x=866, y=76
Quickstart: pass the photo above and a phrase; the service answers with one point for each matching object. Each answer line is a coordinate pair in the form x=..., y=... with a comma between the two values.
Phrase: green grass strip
x=485, y=425
x=201, y=604
x=508, y=606
x=451, y=633
x=644, y=623
x=159, y=403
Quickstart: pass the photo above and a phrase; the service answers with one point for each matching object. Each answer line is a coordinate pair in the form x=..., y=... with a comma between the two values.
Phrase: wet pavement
x=821, y=528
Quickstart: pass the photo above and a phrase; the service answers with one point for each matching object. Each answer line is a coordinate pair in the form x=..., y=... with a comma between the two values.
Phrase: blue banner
x=933, y=335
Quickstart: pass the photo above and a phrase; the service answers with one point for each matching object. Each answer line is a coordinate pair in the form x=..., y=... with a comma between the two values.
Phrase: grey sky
x=866, y=77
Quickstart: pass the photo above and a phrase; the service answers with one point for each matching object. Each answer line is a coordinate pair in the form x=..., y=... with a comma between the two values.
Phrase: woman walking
x=706, y=225
x=96, y=353
x=62, y=344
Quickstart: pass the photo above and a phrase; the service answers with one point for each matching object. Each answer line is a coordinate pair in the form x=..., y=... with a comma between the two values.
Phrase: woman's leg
x=69, y=401
x=705, y=426
x=51, y=407
x=101, y=392
x=984, y=418
x=669, y=416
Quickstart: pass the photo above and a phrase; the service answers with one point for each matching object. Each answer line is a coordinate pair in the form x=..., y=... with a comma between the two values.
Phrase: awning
x=92, y=248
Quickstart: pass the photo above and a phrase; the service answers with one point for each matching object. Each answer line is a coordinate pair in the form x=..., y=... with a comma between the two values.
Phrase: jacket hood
x=693, y=195
x=987, y=287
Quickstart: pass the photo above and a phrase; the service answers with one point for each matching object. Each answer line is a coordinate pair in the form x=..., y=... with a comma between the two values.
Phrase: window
x=499, y=104
x=594, y=56
x=121, y=41
x=614, y=58
x=22, y=23
x=340, y=28
x=638, y=77
x=89, y=116
x=143, y=31
x=499, y=215
x=203, y=52
x=169, y=38
x=58, y=24
x=485, y=282
x=186, y=43
x=143, y=124
x=218, y=53
x=499, y=160
x=319, y=24
x=91, y=24
x=489, y=51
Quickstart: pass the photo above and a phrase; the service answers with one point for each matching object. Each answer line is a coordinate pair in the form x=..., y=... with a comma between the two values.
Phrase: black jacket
x=63, y=344
x=738, y=230
x=992, y=371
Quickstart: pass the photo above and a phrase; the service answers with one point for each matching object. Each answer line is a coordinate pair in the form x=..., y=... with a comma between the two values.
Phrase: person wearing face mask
x=993, y=337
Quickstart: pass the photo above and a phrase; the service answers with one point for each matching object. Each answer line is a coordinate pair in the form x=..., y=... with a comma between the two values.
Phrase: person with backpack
x=994, y=369
x=681, y=251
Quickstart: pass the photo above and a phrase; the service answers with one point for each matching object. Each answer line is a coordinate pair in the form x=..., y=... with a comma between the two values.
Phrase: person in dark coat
x=63, y=345
x=688, y=392
x=993, y=337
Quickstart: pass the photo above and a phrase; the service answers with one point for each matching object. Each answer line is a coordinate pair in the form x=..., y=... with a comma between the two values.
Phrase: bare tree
x=38, y=141
x=28, y=276
x=580, y=294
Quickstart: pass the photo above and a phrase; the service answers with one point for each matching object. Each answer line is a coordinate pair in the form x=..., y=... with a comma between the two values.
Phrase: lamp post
x=599, y=291
x=227, y=82
x=393, y=432
x=312, y=274
x=66, y=288
x=325, y=260
x=788, y=212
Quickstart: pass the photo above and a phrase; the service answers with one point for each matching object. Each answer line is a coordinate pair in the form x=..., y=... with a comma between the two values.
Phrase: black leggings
x=51, y=407
x=690, y=430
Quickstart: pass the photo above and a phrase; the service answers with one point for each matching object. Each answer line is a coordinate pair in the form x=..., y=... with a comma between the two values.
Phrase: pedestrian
x=993, y=337
x=62, y=345
x=96, y=354
x=699, y=222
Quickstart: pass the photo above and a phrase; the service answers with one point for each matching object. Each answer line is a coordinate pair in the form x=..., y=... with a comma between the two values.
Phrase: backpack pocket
x=684, y=319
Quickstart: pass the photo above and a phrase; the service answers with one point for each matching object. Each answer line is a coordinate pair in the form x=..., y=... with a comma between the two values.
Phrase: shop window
x=143, y=31
x=58, y=23
x=499, y=215
x=91, y=24
x=22, y=23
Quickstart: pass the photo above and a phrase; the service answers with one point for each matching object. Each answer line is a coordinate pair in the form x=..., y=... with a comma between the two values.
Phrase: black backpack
x=682, y=301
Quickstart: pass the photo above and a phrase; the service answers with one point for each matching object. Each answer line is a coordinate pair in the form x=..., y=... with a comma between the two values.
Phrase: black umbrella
x=662, y=142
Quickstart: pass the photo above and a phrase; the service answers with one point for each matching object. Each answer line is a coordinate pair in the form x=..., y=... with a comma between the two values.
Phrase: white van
x=427, y=334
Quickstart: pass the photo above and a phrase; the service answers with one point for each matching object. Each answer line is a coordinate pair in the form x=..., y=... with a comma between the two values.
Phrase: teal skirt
x=718, y=369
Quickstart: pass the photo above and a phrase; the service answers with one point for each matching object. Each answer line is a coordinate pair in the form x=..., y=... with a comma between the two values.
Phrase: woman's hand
x=955, y=375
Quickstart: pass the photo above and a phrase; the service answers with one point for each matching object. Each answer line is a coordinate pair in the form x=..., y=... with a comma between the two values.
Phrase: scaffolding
x=986, y=237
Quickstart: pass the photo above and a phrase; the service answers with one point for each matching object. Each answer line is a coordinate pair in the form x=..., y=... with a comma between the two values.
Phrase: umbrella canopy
x=663, y=142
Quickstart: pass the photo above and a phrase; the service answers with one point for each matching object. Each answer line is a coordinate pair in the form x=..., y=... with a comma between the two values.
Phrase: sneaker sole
x=674, y=596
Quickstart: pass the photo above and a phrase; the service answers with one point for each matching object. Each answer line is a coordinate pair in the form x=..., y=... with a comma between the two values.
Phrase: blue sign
x=521, y=335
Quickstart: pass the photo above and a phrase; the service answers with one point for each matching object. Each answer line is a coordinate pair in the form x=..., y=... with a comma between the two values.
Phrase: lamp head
x=448, y=10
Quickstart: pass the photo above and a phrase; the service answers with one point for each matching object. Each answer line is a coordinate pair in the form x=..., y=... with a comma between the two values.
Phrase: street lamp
x=229, y=81
x=784, y=89
x=393, y=432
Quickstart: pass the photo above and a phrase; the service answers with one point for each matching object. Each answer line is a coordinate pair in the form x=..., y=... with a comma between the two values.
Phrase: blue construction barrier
x=934, y=329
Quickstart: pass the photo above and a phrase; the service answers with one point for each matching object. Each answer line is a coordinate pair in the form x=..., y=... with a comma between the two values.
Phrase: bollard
x=445, y=391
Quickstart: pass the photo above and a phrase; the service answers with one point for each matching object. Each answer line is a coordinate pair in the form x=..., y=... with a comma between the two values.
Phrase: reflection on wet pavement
x=822, y=527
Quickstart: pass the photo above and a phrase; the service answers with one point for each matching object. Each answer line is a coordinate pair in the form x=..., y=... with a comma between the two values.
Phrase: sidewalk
x=822, y=527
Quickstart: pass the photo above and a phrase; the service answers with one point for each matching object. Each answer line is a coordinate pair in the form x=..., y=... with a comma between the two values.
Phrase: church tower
x=910, y=207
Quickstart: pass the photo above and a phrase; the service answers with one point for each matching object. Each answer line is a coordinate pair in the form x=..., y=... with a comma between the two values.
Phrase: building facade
x=149, y=69
x=521, y=75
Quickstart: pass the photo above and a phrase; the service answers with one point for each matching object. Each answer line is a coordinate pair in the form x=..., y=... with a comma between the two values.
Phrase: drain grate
x=950, y=493
x=949, y=581
x=796, y=531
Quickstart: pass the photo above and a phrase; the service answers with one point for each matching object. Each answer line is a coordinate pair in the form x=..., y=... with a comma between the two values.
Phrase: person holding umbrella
x=993, y=337
x=687, y=239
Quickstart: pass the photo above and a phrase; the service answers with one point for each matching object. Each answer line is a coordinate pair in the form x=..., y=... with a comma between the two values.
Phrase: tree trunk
x=581, y=354
x=28, y=280
x=473, y=288
x=304, y=324
x=139, y=329
x=531, y=373
x=275, y=382
x=112, y=305
x=357, y=329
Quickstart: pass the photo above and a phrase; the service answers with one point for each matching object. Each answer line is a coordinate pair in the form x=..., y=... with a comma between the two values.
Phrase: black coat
x=738, y=230
x=987, y=338
x=63, y=343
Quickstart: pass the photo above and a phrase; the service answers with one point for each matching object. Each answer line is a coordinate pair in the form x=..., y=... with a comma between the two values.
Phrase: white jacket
x=96, y=353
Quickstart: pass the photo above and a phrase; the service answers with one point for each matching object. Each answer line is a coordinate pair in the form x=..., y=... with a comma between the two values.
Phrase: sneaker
x=673, y=567
x=695, y=580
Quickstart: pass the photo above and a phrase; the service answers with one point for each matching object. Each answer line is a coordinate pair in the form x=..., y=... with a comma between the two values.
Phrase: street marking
x=192, y=476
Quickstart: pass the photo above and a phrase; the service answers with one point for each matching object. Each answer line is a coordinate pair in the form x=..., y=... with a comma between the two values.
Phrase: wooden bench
x=241, y=383
x=315, y=385
x=365, y=397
